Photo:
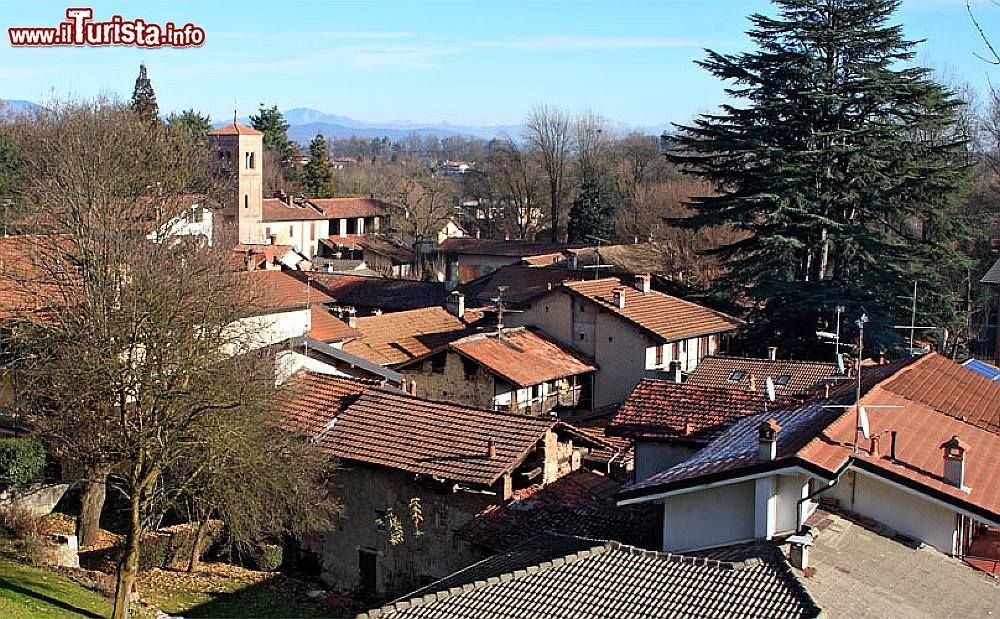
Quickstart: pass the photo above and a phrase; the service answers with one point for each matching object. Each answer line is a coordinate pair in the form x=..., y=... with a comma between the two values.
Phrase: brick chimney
x=642, y=283
x=619, y=297
x=491, y=448
x=772, y=353
x=412, y=389
x=874, y=448
x=954, y=462
x=455, y=304
x=767, y=440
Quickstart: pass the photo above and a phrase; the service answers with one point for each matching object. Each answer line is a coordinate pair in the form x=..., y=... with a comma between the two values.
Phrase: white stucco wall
x=303, y=234
x=288, y=362
x=791, y=489
x=713, y=517
x=652, y=457
x=255, y=332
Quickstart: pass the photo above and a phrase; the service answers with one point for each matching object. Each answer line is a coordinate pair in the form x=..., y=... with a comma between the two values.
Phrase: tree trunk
x=128, y=567
x=199, y=541
x=88, y=525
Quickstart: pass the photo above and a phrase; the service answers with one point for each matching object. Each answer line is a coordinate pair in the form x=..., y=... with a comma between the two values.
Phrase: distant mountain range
x=18, y=106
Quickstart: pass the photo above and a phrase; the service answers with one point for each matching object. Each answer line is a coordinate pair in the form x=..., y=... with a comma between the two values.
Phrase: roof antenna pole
x=860, y=322
x=836, y=342
x=500, y=290
x=309, y=309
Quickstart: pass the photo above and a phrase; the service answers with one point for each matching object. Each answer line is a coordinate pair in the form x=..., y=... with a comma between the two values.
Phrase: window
x=267, y=232
x=291, y=230
x=246, y=201
x=380, y=520
x=470, y=368
x=783, y=380
x=251, y=163
x=737, y=376
x=438, y=363
x=583, y=336
x=659, y=355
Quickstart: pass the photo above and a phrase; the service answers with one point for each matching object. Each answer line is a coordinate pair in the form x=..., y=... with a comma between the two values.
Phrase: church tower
x=238, y=150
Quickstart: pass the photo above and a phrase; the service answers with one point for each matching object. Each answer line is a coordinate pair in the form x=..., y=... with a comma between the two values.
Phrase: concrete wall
x=909, y=514
x=369, y=490
x=652, y=457
x=791, y=489
x=708, y=518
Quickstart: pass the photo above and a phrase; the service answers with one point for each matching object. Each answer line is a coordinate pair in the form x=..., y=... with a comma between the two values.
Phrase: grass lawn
x=27, y=591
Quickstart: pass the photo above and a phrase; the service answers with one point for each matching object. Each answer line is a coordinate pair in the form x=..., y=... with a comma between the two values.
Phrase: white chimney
x=772, y=353
x=455, y=304
x=954, y=462
x=619, y=297
x=675, y=371
x=352, y=318
x=767, y=440
x=642, y=283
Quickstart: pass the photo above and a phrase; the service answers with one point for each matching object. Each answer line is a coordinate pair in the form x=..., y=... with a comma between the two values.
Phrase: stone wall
x=450, y=381
x=39, y=499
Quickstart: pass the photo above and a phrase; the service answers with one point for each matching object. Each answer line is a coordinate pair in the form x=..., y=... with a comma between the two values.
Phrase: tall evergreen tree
x=144, y=97
x=839, y=163
x=191, y=125
x=592, y=213
x=272, y=123
x=319, y=173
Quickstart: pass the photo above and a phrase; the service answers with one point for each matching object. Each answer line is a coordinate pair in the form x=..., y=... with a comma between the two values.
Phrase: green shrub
x=20, y=460
x=269, y=557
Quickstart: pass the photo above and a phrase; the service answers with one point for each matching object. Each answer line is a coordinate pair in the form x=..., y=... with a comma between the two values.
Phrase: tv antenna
x=597, y=253
x=835, y=336
x=499, y=304
x=913, y=319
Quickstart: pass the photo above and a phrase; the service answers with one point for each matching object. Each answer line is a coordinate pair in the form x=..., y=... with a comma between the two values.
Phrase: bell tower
x=238, y=151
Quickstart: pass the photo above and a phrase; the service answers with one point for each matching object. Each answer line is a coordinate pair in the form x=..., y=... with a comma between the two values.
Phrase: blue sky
x=464, y=62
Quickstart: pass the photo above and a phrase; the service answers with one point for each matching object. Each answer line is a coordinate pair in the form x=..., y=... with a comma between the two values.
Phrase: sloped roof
x=391, y=295
x=611, y=580
x=309, y=400
x=342, y=208
x=580, y=503
x=398, y=337
x=982, y=368
x=718, y=371
x=522, y=357
x=234, y=128
x=420, y=436
x=521, y=283
x=36, y=273
x=663, y=316
x=496, y=247
x=282, y=290
x=665, y=410
x=385, y=246
x=274, y=210
x=328, y=328
x=993, y=275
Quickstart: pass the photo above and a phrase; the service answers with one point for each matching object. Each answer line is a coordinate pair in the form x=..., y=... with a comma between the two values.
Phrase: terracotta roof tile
x=391, y=295
x=398, y=337
x=718, y=371
x=662, y=409
x=283, y=290
x=523, y=357
x=344, y=208
x=274, y=210
x=522, y=283
x=34, y=273
x=235, y=128
x=496, y=247
x=664, y=316
x=328, y=328
x=395, y=430
x=309, y=400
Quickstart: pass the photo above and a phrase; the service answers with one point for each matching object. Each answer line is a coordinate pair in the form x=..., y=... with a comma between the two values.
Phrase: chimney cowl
x=873, y=449
x=618, y=294
x=772, y=353
x=954, y=462
x=491, y=448
x=767, y=440
x=643, y=283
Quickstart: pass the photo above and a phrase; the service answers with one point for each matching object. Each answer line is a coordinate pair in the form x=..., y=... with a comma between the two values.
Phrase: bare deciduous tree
x=549, y=131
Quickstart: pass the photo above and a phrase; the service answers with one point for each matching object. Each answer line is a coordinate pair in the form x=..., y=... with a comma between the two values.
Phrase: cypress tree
x=144, y=97
x=839, y=160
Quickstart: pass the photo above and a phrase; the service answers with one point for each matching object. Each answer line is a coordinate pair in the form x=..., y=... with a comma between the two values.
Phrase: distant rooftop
x=789, y=376
x=234, y=128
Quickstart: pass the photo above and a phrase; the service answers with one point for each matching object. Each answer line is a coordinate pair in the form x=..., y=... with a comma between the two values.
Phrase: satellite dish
x=770, y=388
x=863, y=422
x=840, y=363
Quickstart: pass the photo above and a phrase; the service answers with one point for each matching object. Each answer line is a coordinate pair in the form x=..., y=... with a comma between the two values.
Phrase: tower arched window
x=252, y=162
x=246, y=201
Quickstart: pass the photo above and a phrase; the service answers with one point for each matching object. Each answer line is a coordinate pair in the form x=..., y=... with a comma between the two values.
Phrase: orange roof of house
x=309, y=400
x=235, y=128
x=398, y=337
x=343, y=208
x=328, y=328
x=36, y=273
x=661, y=315
x=720, y=371
x=283, y=290
x=523, y=357
x=274, y=209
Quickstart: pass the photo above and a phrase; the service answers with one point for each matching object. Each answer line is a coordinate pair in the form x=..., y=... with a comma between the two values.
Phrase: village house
x=517, y=370
x=789, y=376
x=630, y=332
x=400, y=337
x=570, y=577
x=669, y=422
x=516, y=285
x=920, y=459
x=416, y=472
x=465, y=259
x=369, y=296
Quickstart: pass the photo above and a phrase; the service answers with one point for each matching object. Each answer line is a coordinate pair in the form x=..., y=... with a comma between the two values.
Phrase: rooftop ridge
x=598, y=549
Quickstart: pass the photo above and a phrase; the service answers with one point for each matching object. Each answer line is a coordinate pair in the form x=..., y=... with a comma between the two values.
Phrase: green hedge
x=20, y=460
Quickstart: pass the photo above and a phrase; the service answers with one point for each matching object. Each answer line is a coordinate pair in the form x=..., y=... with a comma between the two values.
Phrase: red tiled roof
x=309, y=400
x=328, y=328
x=717, y=371
x=662, y=409
x=35, y=272
x=521, y=283
x=399, y=431
x=946, y=386
x=281, y=290
x=274, y=209
x=579, y=503
x=496, y=247
x=380, y=292
x=346, y=208
x=234, y=128
x=398, y=337
x=664, y=316
x=523, y=357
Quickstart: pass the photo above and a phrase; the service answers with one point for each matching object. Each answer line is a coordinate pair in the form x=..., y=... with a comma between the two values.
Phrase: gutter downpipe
x=799, y=520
